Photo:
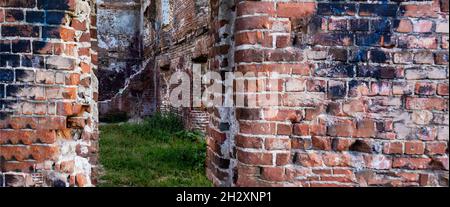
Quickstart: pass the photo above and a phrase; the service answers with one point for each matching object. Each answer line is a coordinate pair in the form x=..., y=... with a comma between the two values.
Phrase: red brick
x=312, y=159
x=342, y=128
x=255, y=158
x=283, y=41
x=294, y=116
x=411, y=163
x=253, y=38
x=284, y=129
x=301, y=129
x=73, y=79
x=442, y=89
x=333, y=159
x=277, y=144
x=393, y=148
x=419, y=10
x=342, y=144
x=436, y=148
x=81, y=180
x=439, y=104
x=425, y=88
x=296, y=10
x=276, y=174
x=252, y=7
x=78, y=25
x=257, y=128
x=336, y=179
x=414, y=148
x=2, y=15
x=423, y=26
x=404, y=26
x=365, y=128
x=321, y=143
x=69, y=93
x=283, y=159
x=252, y=23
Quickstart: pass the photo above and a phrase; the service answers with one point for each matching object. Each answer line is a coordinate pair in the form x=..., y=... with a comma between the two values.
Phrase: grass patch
x=156, y=153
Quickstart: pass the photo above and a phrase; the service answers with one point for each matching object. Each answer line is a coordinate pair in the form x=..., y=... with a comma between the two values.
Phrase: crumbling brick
x=33, y=71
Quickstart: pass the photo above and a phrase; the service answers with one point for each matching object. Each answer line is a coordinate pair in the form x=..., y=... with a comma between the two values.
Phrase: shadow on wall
x=19, y=56
x=137, y=99
x=45, y=93
x=366, y=38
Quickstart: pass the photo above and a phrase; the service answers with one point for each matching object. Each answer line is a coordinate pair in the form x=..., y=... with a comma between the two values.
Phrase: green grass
x=156, y=153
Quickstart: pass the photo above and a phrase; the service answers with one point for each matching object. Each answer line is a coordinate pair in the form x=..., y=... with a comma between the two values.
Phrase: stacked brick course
x=48, y=111
x=363, y=90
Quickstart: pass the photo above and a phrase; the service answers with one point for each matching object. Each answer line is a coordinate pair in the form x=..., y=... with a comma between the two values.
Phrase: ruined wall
x=176, y=44
x=362, y=89
x=221, y=152
x=48, y=92
x=127, y=85
x=119, y=44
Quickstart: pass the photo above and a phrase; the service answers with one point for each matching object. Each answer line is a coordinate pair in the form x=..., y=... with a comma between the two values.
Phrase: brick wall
x=363, y=90
x=119, y=44
x=126, y=80
x=48, y=111
x=222, y=129
x=176, y=47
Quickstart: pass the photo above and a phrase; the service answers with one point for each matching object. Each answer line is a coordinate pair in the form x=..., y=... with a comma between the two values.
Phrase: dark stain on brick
x=17, y=51
x=335, y=71
x=6, y=75
x=55, y=18
x=361, y=146
x=379, y=56
x=35, y=17
x=336, y=8
x=384, y=10
x=425, y=89
x=337, y=92
x=12, y=15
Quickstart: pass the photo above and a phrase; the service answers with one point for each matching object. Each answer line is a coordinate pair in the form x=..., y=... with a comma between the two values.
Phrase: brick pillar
x=48, y=111
x=362, y=89
x=221, y=128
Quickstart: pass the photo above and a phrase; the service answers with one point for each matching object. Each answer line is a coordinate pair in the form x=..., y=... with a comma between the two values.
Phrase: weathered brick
x=251, y=7
x=68, y=5
x=255, y=158
x=29, y=91
x=423, y=26
x=388, y=10
x=403, y=25
x=21, y=46
x=296, y=10
x=414, y=148
x=252, y=23
x=424, y=88
x=20, y=31
x=442, y=89
x=439, y=104
x=62, y=63
x=411, y=163
x=418, y=10
x=363, y=85
x=18, y=3
x=336, y=8
x=393, y=148
x=35, y=17
x=14, y=15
